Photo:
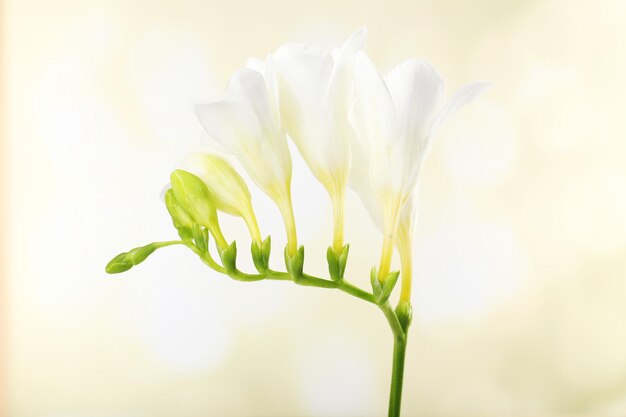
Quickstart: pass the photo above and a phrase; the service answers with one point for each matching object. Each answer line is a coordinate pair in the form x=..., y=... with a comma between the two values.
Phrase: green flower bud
x=193, y=196
x=228, y=191
x=404, y=312
x=337, y=262
x=121, y=263
x=182, y=221
x=295, y=263
x=261, y=254
x=125, y=261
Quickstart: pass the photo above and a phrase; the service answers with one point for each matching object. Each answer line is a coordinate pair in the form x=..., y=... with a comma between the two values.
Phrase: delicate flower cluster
x=352, y=126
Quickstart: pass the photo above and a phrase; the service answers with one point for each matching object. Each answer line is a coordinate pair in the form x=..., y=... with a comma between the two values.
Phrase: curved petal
x=231, y=123
x=303, y=78
x=372, y=114
x=463, y=96
x=250, y=86
x=228, y=190
x=340, y=89
x=417, y=92
x=255, y=64
x=359, y=181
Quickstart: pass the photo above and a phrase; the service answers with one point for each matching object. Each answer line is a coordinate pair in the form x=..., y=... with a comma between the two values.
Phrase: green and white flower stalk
x=350, y=125
x=395, y=118
x=247, y=123
x=316, y=89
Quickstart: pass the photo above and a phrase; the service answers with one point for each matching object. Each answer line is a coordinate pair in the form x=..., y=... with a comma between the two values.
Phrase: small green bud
x=138, y=255
x=180, y=218
x=295, y=263
x=194, y=198
x=120, y=263
x=124, y=261
x=261, y=254
x=229, y=258
x=404, y=312
x=337, y=262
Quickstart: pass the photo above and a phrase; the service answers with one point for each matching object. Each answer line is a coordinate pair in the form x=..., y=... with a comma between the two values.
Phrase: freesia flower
x=316, y=90
x=395, y=119
x=247, y=123
x=228, y=191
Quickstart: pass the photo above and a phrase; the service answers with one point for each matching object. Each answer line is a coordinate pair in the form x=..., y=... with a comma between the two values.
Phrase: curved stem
x=206, y=258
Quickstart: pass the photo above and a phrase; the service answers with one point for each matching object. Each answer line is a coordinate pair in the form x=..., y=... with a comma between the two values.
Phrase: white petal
x=303, y=79
x=250, y=85
x=417, y=92
x=360, y=182
x=463, y=96
x=231, y=123
x=256, y=64
x=408, y=217
x=340, y=86
x=372, y=114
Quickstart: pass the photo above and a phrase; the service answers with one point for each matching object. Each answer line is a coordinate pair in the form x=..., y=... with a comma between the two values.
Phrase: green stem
x=397, y=376
x=399, y=350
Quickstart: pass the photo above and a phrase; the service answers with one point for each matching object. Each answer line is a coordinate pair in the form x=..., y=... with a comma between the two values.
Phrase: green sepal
x=185, y=233
x=261, y=254
x=383, y=291
x=200, y=237
x=404, y=312
x=389, y=284
x=229, y=258
x=337, y=262
x=295, y=263
x=124, y=261
x=377, y=289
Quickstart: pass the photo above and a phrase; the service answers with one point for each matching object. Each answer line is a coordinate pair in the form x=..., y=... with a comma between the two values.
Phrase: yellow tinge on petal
x=227, y=190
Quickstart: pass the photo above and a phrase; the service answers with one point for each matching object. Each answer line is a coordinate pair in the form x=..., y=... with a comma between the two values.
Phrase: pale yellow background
x=520, y=304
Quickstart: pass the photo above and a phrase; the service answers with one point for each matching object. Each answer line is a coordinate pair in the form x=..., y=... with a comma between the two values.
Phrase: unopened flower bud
x=194, y=198
x=182, y=221
x=227, y=190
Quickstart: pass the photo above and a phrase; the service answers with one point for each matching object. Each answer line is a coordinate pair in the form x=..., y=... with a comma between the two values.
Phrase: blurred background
x=520, y=300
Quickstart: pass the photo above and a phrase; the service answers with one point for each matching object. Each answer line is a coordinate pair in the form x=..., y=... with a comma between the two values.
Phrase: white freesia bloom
x=229, y=192
x=247, y=123
x=395, y=119
x=316, y=91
